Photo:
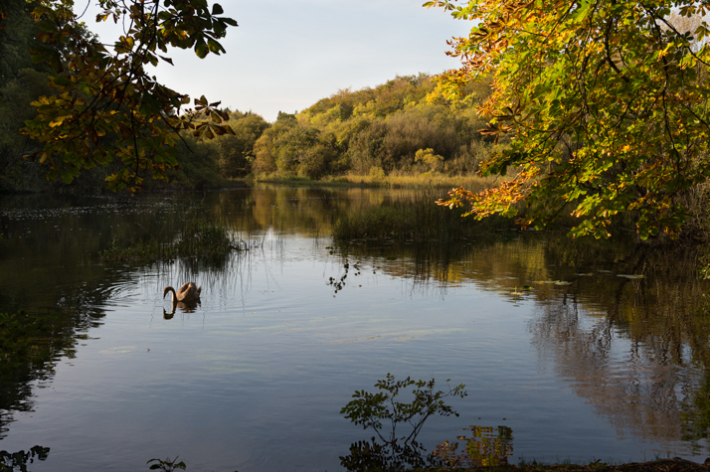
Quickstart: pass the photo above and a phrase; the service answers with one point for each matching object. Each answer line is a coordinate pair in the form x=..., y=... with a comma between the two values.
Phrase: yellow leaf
x=58, y=121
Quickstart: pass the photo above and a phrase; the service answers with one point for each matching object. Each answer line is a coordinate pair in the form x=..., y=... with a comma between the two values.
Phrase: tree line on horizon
x=593, y=133
x=407, y=125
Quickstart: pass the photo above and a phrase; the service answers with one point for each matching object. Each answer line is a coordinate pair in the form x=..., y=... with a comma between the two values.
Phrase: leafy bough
x=370, y=410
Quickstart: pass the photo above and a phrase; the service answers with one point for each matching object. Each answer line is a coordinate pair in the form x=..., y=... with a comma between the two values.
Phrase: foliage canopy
x=378, y=131
x=105, y=107
x=606, y=102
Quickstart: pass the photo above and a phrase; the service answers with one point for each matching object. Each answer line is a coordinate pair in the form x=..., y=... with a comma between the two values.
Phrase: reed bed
x=394, y=180
x=417, y=221
x=424, y=180
x=195, y=238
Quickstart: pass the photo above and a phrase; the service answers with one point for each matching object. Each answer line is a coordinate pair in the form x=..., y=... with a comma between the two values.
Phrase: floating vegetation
x=553, y=282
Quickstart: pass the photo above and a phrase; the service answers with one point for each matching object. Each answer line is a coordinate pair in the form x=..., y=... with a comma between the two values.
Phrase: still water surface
x=592, y=363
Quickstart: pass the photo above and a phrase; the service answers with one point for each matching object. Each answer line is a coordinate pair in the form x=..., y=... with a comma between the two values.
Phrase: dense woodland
x=404, y=126
x=22, y=82
x=590, y=142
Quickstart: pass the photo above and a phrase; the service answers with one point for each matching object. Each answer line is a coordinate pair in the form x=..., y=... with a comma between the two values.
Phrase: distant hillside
x=403, y=126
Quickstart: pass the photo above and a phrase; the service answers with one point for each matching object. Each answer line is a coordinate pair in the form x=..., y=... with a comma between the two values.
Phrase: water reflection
x=185, y=307
x=642, y=362
x=393, y=448
x=626, y=327
x=486, y=447
x=18, y=461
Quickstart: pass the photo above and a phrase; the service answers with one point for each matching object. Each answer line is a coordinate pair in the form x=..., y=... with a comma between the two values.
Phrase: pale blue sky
x=287, y=54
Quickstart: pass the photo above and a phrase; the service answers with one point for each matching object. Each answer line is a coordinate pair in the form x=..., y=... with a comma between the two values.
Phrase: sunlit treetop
x=606, y=102
x=106, y=110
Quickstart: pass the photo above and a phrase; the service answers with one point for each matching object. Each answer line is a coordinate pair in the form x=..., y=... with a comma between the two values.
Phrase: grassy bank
x=394, y=180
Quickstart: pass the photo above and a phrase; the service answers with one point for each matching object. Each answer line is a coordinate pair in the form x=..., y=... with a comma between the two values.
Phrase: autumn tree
x=235, y=152
x=105, y=108
x=606, y=103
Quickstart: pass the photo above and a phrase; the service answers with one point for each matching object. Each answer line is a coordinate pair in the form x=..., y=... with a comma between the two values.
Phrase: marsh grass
x=423, y=180
x=19, y=334
x=393, y=180
x=419, y=220
x=192, y=237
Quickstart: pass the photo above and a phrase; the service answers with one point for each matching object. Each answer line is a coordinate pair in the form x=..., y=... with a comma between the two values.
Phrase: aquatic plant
x=167, y=465
x=17, y=332
x=393, y=451
x=416, y=220
x=196, y=237
x=11, y=461
x=376, y=178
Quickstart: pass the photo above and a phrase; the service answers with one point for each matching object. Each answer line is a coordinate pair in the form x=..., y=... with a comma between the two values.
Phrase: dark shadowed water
x=593, y=362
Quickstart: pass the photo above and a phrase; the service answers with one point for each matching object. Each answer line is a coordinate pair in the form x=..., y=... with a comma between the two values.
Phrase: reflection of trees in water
x=46, y=269
x=620, y=377
x=11, y=461
x=486, y=447
x=76, y=312
x=304, y=211
x=636, y=349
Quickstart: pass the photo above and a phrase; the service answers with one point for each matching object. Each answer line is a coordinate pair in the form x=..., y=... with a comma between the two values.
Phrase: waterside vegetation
x=414, y=220
x=378, y=179
x=401, y=133
x=658, y=465
x=192, y=237
x=404, y=127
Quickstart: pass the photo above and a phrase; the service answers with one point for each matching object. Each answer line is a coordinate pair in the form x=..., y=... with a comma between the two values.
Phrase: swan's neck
x=173, y=295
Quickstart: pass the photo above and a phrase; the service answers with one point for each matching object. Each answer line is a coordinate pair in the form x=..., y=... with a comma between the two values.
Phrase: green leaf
x=201, y=49
x=47, y=26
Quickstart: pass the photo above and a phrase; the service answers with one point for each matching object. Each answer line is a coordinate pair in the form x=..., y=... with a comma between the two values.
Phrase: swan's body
x=189, y=292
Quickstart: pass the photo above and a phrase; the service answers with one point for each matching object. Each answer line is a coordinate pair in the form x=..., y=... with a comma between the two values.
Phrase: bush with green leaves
x=167, y=465
x=393, y=449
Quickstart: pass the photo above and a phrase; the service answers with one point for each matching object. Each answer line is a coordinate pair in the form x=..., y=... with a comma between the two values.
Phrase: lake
x=574, y=350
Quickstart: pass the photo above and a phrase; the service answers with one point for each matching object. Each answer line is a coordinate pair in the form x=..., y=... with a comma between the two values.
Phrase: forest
x=407, y=126
x=402, y=127
x=625, y=138
x=590, y=117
